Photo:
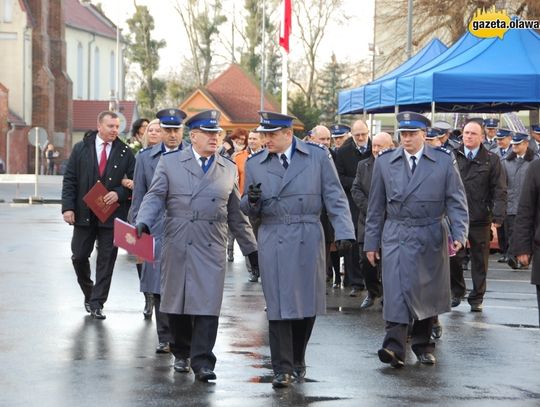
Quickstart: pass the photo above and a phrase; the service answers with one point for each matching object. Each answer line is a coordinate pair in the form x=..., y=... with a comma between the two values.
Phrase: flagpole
x=263, y=52
x=284, y=80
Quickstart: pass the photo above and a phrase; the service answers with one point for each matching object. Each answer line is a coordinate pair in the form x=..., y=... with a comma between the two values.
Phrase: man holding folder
x=99, y=157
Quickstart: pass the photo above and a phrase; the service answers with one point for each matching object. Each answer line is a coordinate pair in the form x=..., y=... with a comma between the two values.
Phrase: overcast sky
x=348, y=41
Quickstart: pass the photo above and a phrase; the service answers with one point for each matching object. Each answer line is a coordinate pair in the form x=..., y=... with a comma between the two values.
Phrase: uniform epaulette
x=444, y=150
x=172, y=152
x=321, y=146
x=386, y=151
x=144, y=150
x=228, y=158
x=255, y=154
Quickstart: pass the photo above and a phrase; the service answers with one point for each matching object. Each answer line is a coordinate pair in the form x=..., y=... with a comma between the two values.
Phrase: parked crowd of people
x=406, y=213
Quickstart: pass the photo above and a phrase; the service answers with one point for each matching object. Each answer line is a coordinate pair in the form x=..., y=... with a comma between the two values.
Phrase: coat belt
x=288, y=219
x=415, y=221
x=196, y=216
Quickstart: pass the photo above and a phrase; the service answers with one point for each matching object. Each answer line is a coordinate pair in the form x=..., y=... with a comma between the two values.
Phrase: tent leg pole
x=396, y=111
x=432, y=111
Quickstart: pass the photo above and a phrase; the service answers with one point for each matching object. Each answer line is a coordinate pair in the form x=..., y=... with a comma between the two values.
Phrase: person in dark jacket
x=360, y=193
x=99, y=157
x=516, y=164
x=525, y=244
x=485, y=185
x=347, y=158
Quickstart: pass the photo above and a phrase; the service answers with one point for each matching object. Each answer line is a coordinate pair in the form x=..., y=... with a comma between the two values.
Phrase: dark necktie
x=413, y=166
x=284, y=161
x=204, y=166
x=470, y=156
x=103, y=160
x=503, y=153
x=362, y=149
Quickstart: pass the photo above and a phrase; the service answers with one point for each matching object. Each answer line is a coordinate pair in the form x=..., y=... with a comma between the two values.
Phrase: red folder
x=125, y=236
x=94, y=200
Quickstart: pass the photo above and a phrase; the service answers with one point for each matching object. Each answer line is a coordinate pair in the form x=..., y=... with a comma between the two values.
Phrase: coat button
x=278, y=198
x=213, y=199
x=209, y=244
x=189, y=243
x=301, y=242
x=211, y=223
x=281, y=241
x=116, y=166
x=110, y=179
x=300, y=199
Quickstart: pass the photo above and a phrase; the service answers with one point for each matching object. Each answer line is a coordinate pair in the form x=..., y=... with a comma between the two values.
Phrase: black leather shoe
x=368, y=302
x=205, y=374
x=181, y=365
x=426, y=358
x=299, y=372
x=455, y=302
x=97, y=314
x=163, y=347
x=388, y=356
x=502, y=259
x=148, y=305
x=477, y=307
x=281, y=380
x=253, y=277
x=87, y=307
x=513, y=263
x=436, y=331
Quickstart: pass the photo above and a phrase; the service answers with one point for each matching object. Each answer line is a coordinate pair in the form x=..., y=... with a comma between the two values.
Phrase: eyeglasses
x=360, y=134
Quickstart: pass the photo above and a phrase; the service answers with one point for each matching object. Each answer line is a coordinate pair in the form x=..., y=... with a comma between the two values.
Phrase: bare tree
x=201, y=19
x=312, y=16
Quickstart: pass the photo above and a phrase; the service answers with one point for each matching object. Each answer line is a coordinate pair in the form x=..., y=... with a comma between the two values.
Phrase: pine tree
x=332, y=80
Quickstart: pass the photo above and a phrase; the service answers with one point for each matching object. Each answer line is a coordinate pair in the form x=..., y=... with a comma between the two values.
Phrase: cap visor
x=171, y=126
x=211, y=129
x=262, y=129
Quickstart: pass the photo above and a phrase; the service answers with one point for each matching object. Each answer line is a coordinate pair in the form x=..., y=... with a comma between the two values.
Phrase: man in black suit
x=99, y=157
x=347, y=158
x=360, y=193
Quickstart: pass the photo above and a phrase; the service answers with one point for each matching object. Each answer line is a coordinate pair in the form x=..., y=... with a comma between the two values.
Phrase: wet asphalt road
x=53, y=354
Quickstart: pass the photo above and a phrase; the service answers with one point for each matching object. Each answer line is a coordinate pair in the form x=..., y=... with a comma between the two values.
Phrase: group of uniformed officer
x=415, y=204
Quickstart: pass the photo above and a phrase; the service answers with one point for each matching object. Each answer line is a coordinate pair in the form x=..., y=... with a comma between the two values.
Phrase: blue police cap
x=442, y=126
x=207, y=120
x=519, y=138
x=432, y=133
x=171, y=118
x=536, y=128
x=338, y=130
x=502, y=133
x=491, y=123
x=272, y=121
x=411, y=121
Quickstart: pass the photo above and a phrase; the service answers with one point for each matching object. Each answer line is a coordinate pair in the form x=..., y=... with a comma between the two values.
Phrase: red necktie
x=103, y=160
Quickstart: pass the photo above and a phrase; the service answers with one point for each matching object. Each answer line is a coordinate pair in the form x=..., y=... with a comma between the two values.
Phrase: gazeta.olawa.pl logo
x=494, y=23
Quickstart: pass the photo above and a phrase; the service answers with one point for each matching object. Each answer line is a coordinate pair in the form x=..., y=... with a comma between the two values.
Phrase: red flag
x=285, y=26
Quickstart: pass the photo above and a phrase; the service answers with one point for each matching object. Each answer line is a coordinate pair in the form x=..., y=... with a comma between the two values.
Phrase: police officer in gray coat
x=200, y=192
x=490, y=141
x=287, y=185
x=413, y=188
x=170, y=121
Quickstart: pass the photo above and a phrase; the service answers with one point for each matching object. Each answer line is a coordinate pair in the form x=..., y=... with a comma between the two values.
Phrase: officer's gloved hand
x=344, y=245
x=141, y=227
x=254, y=193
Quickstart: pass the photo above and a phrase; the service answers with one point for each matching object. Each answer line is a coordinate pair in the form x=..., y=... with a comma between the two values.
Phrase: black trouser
x=372, y=275
x=479, y=237
x=194, y=336
x=396, y=337
x=502, y=238
x=353, y=272
x=538, y=301
x=509, y=229
x=82, y=244
x=333, y=264
x=288, y=342
x=162, y=322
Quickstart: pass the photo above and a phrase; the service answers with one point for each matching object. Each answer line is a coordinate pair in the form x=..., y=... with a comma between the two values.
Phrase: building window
x=80, y=77
x=7, y=11
x=96, y=74
x=112, y=73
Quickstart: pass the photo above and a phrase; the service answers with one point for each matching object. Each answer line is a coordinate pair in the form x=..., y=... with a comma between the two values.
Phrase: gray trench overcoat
x=405, y=219
x=291, y=239
x=198, y=208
